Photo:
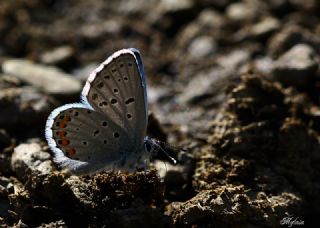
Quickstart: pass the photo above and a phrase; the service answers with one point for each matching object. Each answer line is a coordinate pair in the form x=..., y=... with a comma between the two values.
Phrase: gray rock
x=207, y=87
x=83, y=73
x=288, y=37
x=79, y=188
x=49, y=79
x=98, y=30
x=57, y=56
x=8, y=81
x=23, y=107
x=168, y=7
x=266, y=26
x=155, y=94
x=264, y=65
x=211, y=18
x=202, y=47
x=297, y=67
x=29, y=159
x=234, y=59
x=207, y=24
x=262, y=29
x=175, y=5
x=134, y=6
x=244, y=11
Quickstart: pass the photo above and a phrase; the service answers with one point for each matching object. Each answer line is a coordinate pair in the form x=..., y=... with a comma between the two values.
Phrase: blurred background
x=236, y=83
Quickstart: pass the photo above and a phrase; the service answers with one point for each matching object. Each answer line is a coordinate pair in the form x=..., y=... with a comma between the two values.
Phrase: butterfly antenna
x=172, y=147
x=174, y=161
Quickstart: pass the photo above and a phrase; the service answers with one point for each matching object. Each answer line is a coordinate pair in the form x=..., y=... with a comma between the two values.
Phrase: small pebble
x=49, y=79
x=297, y=67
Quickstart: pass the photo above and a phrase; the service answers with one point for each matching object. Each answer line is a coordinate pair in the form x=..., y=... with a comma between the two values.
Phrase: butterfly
x=107, y=129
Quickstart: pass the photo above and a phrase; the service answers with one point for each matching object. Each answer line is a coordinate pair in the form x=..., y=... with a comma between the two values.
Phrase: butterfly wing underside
x=109, y=126
x=118, y=89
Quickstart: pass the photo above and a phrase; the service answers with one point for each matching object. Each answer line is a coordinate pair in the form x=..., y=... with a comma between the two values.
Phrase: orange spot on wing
x=61, y=133
x=66, y=118
x=71, y=152
x=64, y=121
x=65, y=142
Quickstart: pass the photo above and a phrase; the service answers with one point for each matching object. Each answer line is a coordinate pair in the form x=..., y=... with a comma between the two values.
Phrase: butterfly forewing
x=118, y=91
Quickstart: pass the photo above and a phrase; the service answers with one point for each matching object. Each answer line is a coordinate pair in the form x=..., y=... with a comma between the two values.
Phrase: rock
x=171, y=10
x=29, y=159
x=260, y=30
x=49, y=79
x=98, y=30
x=290, y=36
x=166, y=6
x=210, y=18
x=134, y=6
x=264, y=27
x=243, y=11
x=261, y=125
x=297, y=67
x=264, y=65
x=59, y=223
x=307, y=5
x=24, y=107
x=234, y=59
x=60, y=56
x=8, y=81
x=207, y=87
x=207, y=24
x=202, y=47
x=79, y=189
x=158, y=93
x=230, y=205
x=83, y=73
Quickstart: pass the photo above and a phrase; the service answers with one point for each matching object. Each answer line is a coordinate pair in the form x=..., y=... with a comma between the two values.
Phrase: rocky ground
x=235, y=83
